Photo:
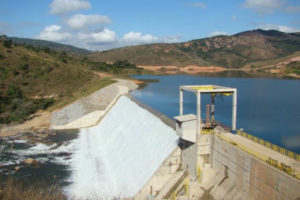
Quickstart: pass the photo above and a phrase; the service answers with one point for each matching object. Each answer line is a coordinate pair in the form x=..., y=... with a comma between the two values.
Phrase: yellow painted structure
x=186, y=186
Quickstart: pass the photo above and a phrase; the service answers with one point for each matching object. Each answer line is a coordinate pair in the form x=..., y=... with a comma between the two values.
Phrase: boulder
x=30, y=161
x=17, y=168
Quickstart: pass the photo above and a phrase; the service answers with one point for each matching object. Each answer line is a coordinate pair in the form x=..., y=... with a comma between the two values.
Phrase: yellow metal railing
x=269, y=145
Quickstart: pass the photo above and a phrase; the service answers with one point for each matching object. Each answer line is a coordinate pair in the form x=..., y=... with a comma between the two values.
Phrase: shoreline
x=215, y=70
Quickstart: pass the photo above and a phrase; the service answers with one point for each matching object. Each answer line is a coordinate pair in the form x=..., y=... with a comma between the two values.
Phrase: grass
x=86, y=90
x=14, y=190
x=34, y=78
x=271, y=61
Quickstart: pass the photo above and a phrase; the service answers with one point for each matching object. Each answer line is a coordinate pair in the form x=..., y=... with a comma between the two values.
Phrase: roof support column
x=198, y=113
x=212, y=109
x=180, y=101
x=234, y=107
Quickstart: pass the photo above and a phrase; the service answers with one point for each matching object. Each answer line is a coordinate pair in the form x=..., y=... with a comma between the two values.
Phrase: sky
x=106, y=24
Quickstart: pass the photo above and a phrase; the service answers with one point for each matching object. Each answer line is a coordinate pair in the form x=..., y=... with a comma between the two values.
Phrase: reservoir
x=267, y=108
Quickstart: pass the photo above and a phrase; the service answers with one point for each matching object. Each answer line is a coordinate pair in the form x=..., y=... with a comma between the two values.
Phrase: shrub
x=45, y=103
x=24, y=58
x=24, y=68
x=15, y=72
x=48, y=69
x=14, y=92
x=47, y=49
x=7, y=43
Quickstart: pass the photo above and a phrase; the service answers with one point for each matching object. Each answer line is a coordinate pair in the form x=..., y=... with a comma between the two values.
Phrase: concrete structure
x=246, y=176
x=196, y=148
x=212, y=90
x=222, y=165
x=186, y=127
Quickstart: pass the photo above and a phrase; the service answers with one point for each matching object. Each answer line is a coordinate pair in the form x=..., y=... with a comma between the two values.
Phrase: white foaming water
x=40, y=149
x=118, y=156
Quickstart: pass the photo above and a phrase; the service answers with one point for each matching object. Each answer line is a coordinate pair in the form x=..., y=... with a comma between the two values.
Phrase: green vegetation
x=7, y=43
x=118, y=67
x=53, y=46
x=15, y=107
x=34, y=78
x=293, y=67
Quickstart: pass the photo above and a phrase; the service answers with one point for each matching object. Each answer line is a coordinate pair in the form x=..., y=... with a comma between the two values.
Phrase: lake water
x=267, y=108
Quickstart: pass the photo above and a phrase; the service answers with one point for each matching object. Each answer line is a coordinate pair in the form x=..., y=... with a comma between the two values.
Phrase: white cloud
x=80, y=21
x=215, y=33
x=107, y=39
x=102, y=39
x=104, y=36
x=281, y=28
x=54, y=33
x=67, y=6
x=264, y=6
x=138, y=38
x=199, y=5
x=292, y=9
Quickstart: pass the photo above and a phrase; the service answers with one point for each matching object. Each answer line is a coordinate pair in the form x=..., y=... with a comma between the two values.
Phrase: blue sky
x=105, y=24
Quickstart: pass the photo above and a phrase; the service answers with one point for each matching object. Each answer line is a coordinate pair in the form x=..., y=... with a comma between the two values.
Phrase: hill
x=34, y=78
x=225, y=51
x=52, y=45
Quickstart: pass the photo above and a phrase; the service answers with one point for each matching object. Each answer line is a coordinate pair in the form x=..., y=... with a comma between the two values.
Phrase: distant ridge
x=52, y=45
x=233, y=51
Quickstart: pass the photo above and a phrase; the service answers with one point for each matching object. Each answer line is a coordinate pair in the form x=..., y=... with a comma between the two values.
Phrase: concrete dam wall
x=118, y=157
x=247, y=177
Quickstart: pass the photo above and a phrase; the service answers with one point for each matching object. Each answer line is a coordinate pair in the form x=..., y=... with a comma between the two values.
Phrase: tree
x=47, y=49
x=7, y=43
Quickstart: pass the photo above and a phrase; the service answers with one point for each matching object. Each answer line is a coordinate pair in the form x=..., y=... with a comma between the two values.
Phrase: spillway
x=116, y=158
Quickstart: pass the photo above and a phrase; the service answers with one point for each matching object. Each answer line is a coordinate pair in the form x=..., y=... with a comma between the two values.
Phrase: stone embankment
x=84, y=112
x=87, y=111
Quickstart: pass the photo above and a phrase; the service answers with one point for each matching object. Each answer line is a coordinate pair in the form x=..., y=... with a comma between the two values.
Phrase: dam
x=138, y=153
x=128, y=150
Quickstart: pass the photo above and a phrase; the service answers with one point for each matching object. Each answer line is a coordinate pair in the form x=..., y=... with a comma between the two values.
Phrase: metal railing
x=270, y=145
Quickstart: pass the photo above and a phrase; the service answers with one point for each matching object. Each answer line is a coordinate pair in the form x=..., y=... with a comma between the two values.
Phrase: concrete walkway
x=260, y=151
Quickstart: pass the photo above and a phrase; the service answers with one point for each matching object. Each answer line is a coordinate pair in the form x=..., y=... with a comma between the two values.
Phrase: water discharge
x=119, y=155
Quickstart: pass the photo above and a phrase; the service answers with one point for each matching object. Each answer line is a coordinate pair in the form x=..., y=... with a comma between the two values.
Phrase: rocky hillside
x=34, y=78
x=226, y=51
